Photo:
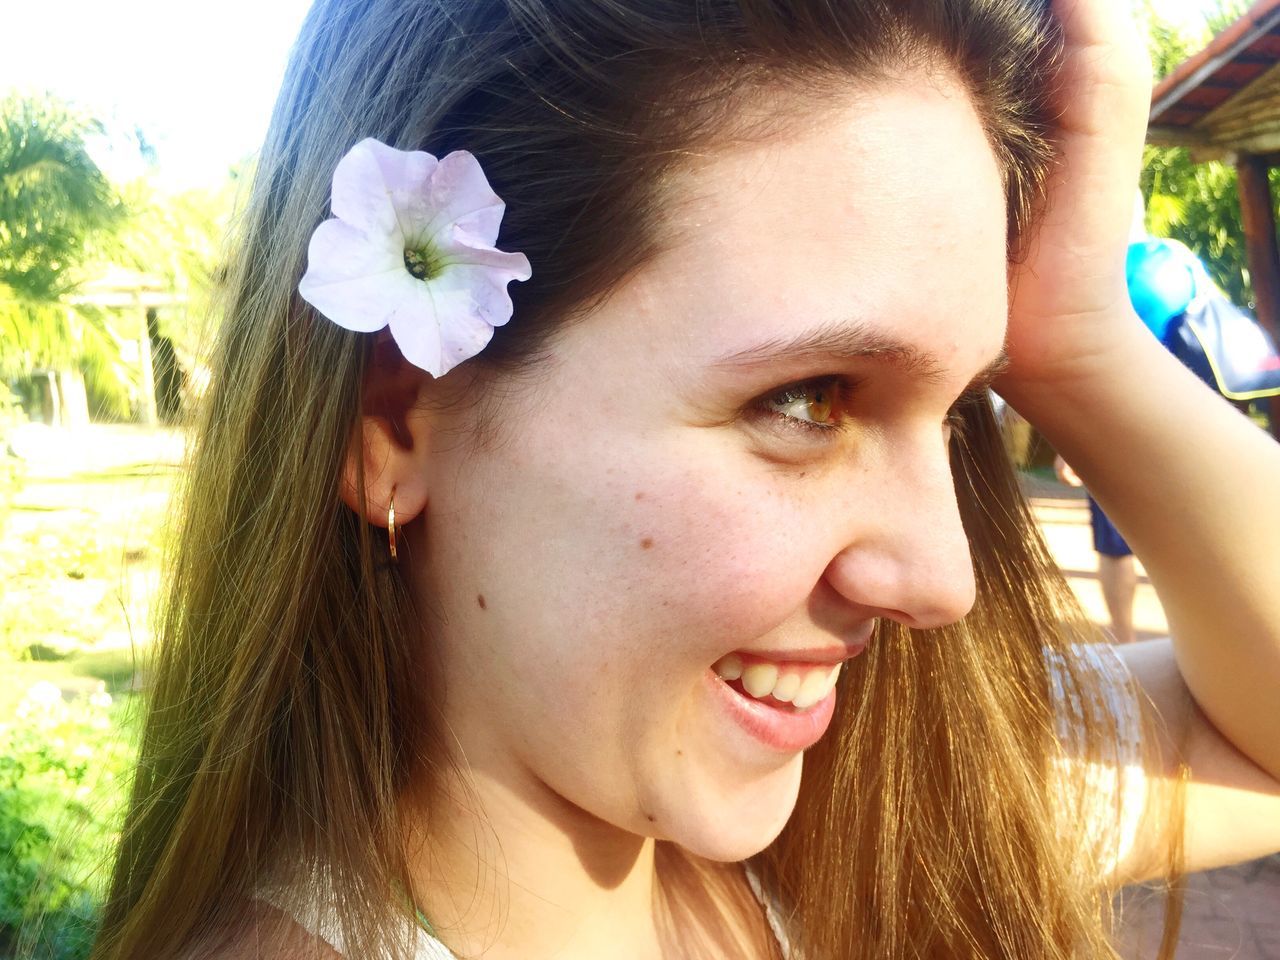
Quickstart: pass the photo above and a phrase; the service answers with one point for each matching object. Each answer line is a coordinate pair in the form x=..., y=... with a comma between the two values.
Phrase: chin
x=728, y=825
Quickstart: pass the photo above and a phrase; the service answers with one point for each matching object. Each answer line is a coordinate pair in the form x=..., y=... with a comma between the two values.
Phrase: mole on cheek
x=646, y=543
x=480, y=601
x=639, y=494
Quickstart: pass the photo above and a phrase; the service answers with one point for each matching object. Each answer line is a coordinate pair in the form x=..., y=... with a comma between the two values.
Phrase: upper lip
x=829, y=653
x=818, y=655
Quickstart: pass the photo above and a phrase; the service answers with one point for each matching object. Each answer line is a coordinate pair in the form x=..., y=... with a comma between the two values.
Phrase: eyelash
x=835, y=387
x=838, y=388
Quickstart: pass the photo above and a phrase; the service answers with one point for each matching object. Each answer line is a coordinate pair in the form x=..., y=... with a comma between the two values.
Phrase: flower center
x=422, y=263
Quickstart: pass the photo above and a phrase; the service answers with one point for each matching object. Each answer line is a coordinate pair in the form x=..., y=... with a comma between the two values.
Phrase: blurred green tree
x=1196, y=203
x=178, y=237
x=57, y=210
x=62, y=224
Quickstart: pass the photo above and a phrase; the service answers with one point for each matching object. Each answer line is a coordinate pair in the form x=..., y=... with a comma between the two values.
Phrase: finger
x=1094, y=22
x=1103, y=52
x=1104, y=96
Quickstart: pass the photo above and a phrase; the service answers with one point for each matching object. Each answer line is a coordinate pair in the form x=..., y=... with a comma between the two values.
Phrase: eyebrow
x=844, y=342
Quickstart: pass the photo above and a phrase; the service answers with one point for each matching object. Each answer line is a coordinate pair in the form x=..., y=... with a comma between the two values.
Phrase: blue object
x=1107, y=540
x=1161, y=275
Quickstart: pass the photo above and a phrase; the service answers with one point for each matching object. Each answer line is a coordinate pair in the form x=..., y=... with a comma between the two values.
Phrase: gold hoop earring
x=391, y=526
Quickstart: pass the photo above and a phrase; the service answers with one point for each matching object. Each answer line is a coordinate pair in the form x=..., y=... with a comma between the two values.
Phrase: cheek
x=665, y=552
x=693, y=552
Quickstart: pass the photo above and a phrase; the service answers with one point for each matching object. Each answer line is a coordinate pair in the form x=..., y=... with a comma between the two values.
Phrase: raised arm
x=1194, y=486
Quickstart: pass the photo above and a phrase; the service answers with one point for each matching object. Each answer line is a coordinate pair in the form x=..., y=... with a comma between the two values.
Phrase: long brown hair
x=291, y=702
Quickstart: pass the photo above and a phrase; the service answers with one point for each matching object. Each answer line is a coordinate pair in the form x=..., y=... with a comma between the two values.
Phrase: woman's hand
x=1066, y=475
x=1189, y=481
x=1070, y=306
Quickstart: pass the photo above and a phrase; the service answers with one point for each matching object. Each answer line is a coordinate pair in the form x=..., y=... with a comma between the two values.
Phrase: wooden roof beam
x=1225, y=48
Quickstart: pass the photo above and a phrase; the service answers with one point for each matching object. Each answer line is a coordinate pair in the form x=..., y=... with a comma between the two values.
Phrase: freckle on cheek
x=480, y=601
x=639, y=494
x=646, y=543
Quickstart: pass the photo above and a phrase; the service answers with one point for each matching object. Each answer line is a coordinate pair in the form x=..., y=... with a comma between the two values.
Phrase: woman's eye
x=810, y=405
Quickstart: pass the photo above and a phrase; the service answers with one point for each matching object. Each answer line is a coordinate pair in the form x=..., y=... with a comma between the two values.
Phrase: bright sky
x=198, y=78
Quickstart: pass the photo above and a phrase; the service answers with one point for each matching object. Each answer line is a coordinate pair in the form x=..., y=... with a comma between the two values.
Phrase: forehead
x=886, y=210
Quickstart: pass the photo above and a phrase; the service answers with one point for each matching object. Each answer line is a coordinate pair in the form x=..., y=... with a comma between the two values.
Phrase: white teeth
x=786, y=687
x=815, y=688
x=759, y=679
x=728, y=667
x=801, y=688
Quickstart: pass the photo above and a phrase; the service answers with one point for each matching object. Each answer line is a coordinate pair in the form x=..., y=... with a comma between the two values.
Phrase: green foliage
x=1196, y=203
x=179, y=237
x=62, y=223
x=1167, y=45
x=11, y=469
x=50, y=335
x=63, y=772
x=1220, y=14
x=66, y=591
x=57, y=211
x=79, y=560
x=53, y=198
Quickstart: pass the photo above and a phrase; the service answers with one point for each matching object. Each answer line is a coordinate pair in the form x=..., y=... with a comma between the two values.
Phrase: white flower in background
x=44, y=694
x=42, y=702
x=411, y=246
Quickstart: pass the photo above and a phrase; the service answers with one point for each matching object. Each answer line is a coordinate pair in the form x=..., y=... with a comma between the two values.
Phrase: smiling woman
x=514, y=639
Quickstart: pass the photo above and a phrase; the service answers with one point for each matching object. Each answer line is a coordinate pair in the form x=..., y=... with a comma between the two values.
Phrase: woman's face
x=744, y=453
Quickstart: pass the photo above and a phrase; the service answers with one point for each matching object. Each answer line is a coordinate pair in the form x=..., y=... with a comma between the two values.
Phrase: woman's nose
x=906, y=554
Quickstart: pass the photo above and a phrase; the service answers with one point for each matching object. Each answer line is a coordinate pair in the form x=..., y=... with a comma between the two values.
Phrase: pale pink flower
x=411, y=246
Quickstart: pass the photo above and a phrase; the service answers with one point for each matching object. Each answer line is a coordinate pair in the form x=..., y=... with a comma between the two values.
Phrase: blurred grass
x=80, y=556
x=81, y=552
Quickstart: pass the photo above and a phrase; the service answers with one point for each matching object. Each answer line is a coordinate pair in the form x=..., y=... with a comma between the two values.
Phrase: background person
x=1117, y=571
x=1176, y=300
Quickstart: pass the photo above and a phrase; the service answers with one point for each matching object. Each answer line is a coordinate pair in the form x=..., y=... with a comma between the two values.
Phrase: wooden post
x=53, y=409
x=1257, y=214
x=75, y=401
x=147, y=413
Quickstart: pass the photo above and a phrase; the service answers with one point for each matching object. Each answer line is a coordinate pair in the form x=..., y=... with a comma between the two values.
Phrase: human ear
x=390, y=442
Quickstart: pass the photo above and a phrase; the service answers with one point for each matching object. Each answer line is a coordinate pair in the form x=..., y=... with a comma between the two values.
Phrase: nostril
x=922, y=585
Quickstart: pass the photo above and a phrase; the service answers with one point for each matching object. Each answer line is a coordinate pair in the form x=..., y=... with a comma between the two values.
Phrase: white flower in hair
x=411, y=246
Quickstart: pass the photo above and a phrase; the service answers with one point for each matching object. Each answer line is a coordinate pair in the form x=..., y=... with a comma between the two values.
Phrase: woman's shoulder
x=266, y=933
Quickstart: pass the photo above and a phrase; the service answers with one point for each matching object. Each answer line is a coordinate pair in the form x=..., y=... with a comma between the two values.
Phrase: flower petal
x=385, y=200
x=504, y=265
x=467, y=335
x=460, y=198
x=485, y=275
x=357, y=284
x=454, y=318
x=417, y=331
x=360, y=195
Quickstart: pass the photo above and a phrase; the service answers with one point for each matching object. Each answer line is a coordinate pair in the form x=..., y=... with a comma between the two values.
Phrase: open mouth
x=782, y=704
x=794, y=687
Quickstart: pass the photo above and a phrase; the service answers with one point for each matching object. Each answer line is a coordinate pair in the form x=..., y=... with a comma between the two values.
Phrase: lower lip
x=783, y=730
